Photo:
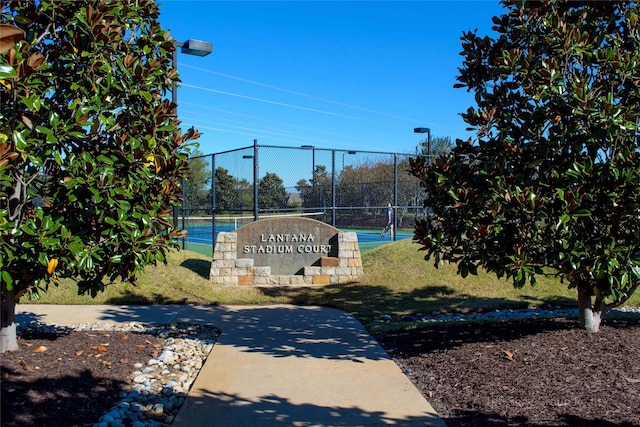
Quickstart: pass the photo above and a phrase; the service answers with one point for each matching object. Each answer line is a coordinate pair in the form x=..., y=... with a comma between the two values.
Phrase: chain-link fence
x=347, y=189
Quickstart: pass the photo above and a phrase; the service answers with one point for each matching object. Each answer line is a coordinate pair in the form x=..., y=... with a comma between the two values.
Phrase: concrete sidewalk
x=276, y=365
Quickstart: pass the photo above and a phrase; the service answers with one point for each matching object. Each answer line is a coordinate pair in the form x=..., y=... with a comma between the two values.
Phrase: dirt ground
x=517, y=373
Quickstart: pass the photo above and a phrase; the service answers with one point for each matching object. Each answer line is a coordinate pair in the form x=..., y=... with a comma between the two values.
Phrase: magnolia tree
x=552, y=184
x=91, y=157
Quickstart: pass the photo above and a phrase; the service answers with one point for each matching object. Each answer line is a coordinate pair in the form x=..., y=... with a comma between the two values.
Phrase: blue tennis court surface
x=368, y=239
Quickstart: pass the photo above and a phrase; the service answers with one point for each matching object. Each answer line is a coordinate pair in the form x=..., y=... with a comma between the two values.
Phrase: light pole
x=190, y=47
x=249, y=157
x=254, y=156
x=346, y=152
x=313, y=169
x=313, y=161
x=428, y=132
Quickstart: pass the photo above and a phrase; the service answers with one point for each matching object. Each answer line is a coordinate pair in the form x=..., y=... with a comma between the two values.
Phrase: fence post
x=255, y=180
x=184, y=205
x=333, y=187
x=213, y=202
x=395, y=195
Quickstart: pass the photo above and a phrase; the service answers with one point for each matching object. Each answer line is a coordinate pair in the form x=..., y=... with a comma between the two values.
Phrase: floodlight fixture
x=196, y=47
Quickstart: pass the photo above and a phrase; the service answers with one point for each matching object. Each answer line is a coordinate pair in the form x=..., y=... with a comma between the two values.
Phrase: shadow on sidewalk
x=229, y=410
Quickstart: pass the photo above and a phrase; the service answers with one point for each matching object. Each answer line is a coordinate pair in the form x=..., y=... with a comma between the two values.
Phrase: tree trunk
x=590, y=316
x=8, y=339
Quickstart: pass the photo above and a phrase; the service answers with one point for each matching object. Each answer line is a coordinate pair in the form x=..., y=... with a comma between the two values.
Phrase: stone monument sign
x=286, y=251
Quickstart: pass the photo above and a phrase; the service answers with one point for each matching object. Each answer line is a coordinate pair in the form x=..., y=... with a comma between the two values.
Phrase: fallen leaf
x=79, y=352
x=141, y=346
x=106, y=362
x=147, y=342
x=125, y=337
x=102, y=347
x=632, y=380
x=58, y=358
x=25, y=365
x=99, y=355
x=505, y=388
x=40, y=349
x=508, y=355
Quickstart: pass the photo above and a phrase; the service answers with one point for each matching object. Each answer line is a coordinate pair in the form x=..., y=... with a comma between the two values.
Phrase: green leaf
x=27, y=229
x=7, y=72
x=57, y=158
x=7, y=279
x=51, y=137
x=19, y=140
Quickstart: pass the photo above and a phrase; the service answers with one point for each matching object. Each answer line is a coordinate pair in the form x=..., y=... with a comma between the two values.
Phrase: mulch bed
x=525, y=373
x=516, y=373
x=69, y=379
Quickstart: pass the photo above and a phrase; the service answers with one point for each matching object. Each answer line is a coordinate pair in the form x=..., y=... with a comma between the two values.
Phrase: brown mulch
x=516, y=373
x=525, y=373
x=68, y=379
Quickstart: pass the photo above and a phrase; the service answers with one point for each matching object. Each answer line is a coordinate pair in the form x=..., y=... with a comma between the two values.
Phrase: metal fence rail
x=347, y=189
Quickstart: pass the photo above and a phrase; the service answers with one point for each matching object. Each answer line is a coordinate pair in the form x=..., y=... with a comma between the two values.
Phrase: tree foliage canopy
x=438, y=144
x=91, y=156
x=232, y=194
x=272, y=192
x=554, y=176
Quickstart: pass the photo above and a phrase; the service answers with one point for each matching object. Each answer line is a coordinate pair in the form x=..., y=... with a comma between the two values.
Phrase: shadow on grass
x=135, y=299
x=367, y=302
x=199, y=266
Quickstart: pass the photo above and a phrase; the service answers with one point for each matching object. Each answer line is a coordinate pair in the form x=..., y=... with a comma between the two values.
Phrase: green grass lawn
x=397, y=281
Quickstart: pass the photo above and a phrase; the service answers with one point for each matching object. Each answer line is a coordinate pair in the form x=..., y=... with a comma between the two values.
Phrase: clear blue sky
x=346, y=75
